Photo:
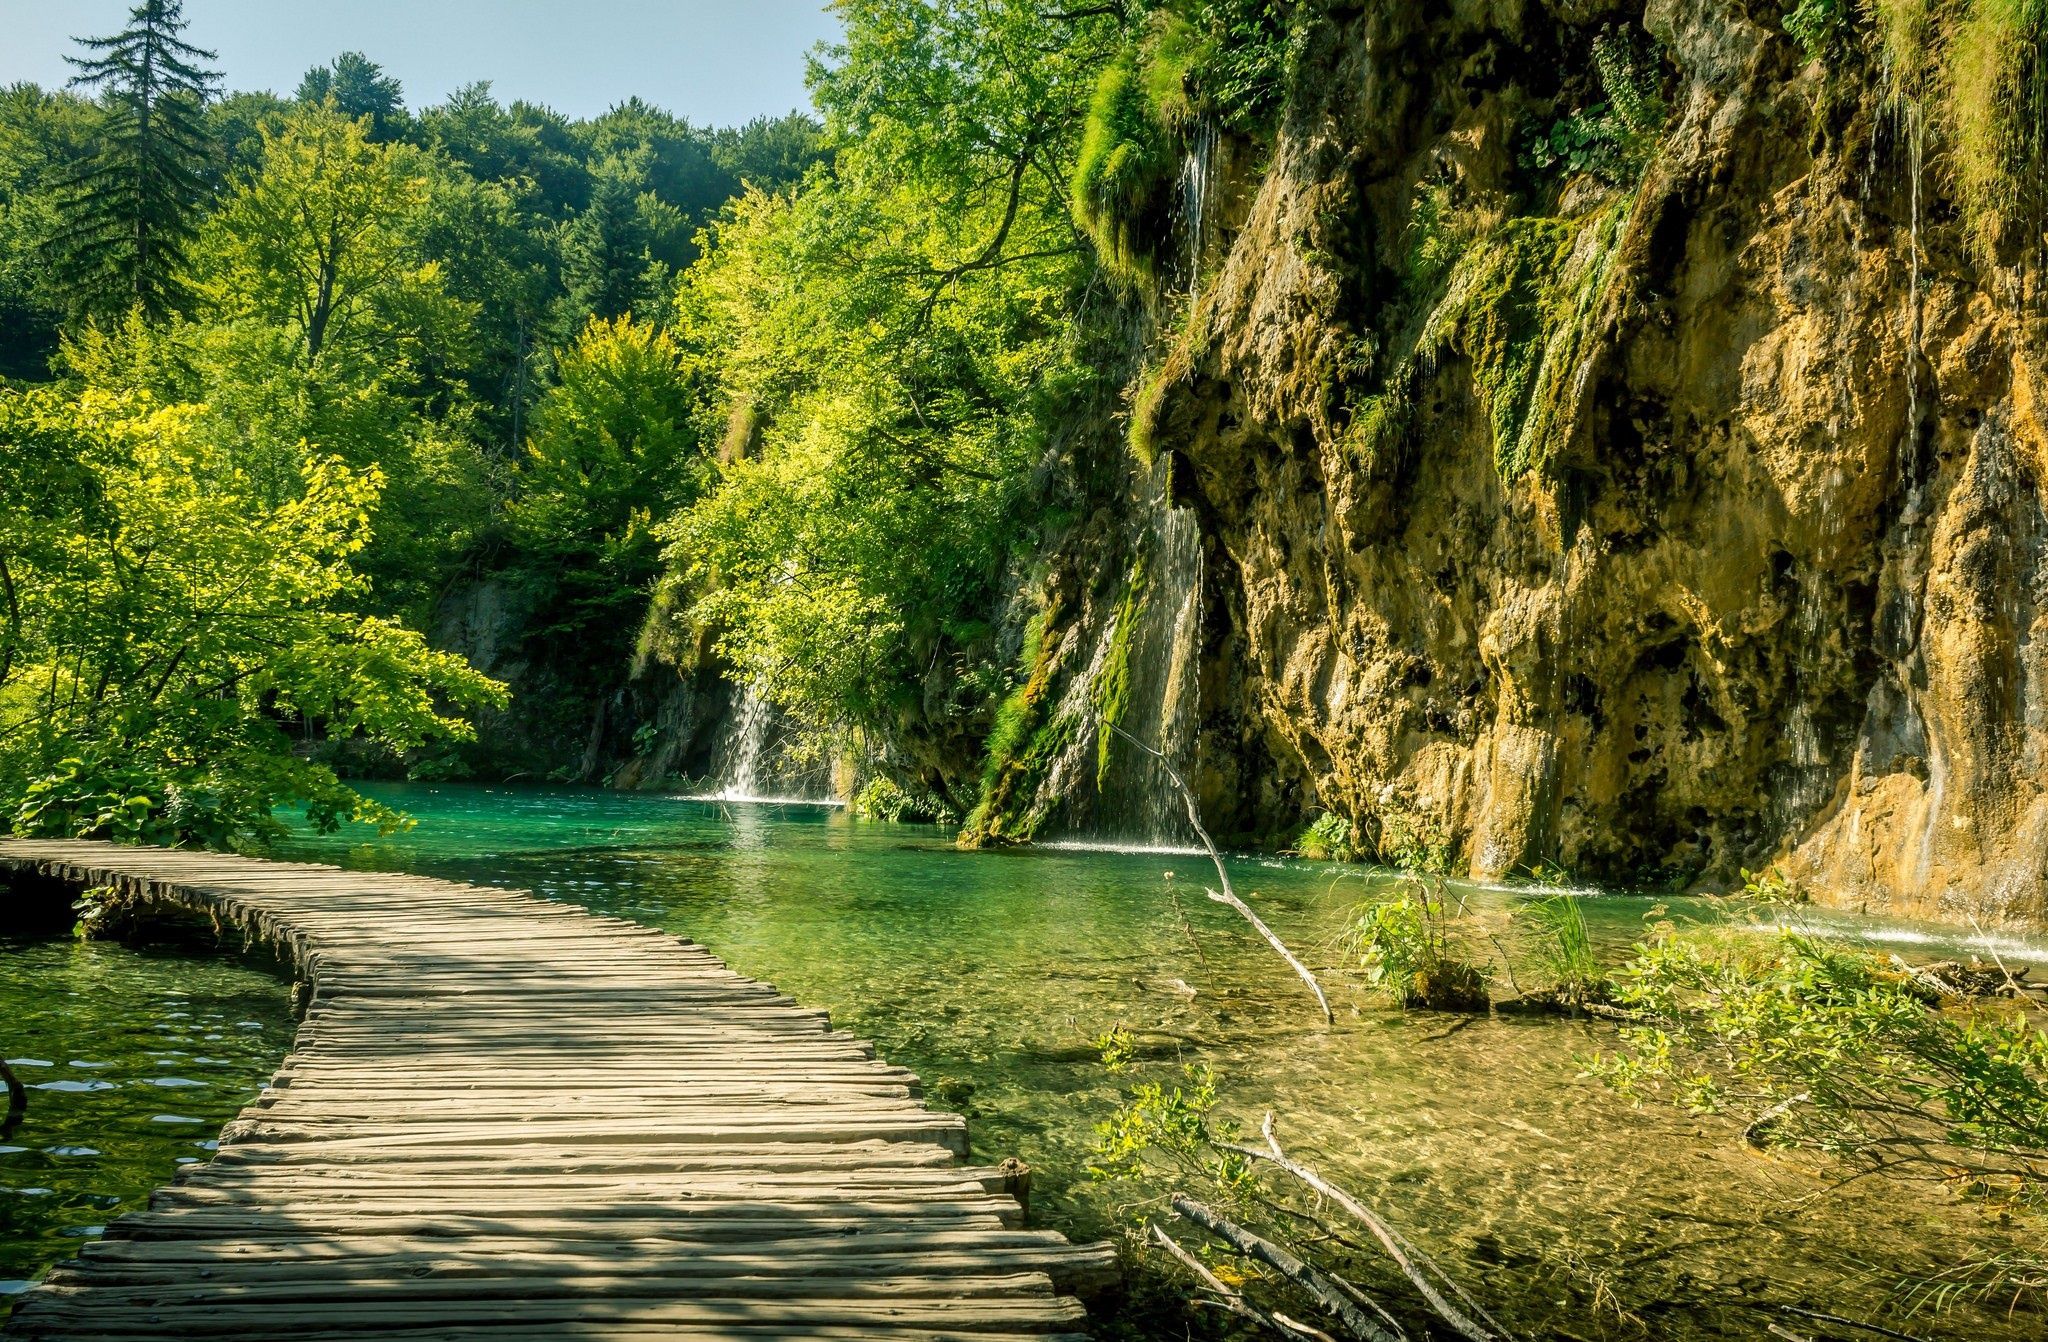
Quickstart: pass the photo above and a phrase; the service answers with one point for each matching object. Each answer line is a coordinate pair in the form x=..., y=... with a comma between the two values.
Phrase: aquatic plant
x=1412, y=951
x=1564, y=951
x=1773, y=886
x=1831, y=1048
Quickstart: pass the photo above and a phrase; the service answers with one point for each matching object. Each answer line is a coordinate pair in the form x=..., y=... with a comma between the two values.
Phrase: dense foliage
x=286, y=372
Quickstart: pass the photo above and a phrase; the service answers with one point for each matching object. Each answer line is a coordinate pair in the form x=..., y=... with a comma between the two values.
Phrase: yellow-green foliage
x=1998, y=113
x=1174, y=54
x=1976, y=71
x=1123, y=163
x=1520, y=308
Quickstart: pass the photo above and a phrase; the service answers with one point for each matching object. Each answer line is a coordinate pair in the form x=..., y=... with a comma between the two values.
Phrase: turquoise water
x=133, y=1058
x=993, y=974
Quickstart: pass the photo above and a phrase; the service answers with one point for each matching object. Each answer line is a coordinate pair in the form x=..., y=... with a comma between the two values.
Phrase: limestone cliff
x=1650, y=522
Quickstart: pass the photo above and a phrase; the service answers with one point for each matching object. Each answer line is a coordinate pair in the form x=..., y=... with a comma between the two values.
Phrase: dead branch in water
x=1234, y=1301
x=1413, y=1263
x=1229, y=895
x=1838, y=1319
x=1293, y=1269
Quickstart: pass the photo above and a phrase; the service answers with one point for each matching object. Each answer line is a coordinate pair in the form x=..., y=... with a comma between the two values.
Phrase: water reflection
x=133, y=1058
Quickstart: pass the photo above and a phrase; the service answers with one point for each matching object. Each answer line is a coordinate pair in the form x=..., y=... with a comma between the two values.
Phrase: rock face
x=1765, y=583
x=657, y=726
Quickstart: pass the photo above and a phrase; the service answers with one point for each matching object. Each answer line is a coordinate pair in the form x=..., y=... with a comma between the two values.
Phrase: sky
x=716, y=62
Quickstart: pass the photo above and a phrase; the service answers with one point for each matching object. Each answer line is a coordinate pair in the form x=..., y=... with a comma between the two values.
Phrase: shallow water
x=991, y=974
x=133, y=1058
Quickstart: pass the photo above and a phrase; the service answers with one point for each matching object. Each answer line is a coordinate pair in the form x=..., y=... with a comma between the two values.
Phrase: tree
x=891, y=345
x=166, y=622
x=611, y=442
x=132, y=210
x=322, y=239
x=43, y=135
x=604, y=249
x=359, y=88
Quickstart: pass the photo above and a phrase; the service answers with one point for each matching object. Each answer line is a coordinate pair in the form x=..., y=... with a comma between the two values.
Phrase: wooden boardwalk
x=505, y=1118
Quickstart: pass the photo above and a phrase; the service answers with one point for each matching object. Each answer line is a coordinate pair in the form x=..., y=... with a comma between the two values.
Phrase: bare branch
x=1413, y=1264
x=1229, y=896
x=1287, y=1265
x=1231, y=1300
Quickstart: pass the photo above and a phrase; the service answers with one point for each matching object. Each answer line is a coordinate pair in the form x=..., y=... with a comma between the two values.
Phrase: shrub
x=1327, y=839
x=883, y=798
x=1411, y=951
x=1831, y=1048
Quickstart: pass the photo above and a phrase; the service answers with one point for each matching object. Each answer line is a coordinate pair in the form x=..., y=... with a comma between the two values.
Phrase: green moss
x=1998, y=118
x=1110, y=694
x=1123, y=165
x=1520, y=308
x=1969, y=79
x=1021, y=744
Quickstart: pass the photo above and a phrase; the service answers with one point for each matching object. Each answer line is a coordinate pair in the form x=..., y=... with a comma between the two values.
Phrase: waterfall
x=1194, y=197
x=1138, y=803
x=1914, y=126
x=751, y=762
x=739, y=763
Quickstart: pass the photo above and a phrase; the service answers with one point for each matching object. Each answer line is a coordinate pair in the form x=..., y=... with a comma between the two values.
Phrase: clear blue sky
x=713, y=61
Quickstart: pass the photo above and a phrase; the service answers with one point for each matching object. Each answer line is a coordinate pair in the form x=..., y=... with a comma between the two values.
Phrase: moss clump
x=1974, y=73
x=1123, y=167
x=1520, y=307
x=1998, y=110
x=1110, y=694
x=1022, y=743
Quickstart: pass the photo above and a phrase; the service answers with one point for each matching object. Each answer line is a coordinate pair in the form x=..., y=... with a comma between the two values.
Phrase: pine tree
x=359, y=88
x=604, y=249
x=130, y=212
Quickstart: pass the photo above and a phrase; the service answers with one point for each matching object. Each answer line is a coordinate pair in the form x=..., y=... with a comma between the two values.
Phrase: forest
x=1485, y=463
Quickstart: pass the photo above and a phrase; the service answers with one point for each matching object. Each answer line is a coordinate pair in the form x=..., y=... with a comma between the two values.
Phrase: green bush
x=1412, y=951
x=1833, y=1048
x=1820, y=27
x=1328, y=839
x=1613, y=139
x=883, y=798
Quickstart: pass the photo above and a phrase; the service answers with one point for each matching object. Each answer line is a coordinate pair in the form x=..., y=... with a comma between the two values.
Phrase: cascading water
x=739, y=764
x=750, y=763
x=1194, y=197
x=1138, y=803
